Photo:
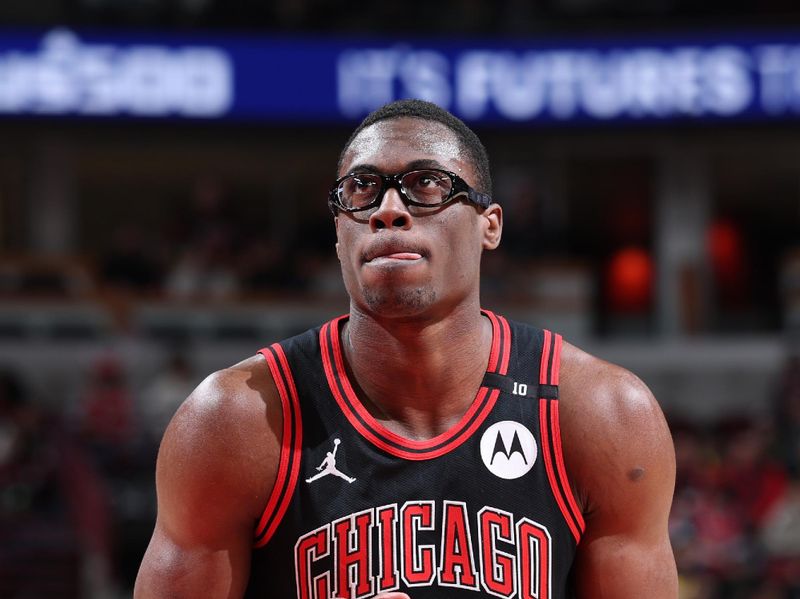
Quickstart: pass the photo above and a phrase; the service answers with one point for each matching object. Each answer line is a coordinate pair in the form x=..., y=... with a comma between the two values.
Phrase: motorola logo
x=508, y=449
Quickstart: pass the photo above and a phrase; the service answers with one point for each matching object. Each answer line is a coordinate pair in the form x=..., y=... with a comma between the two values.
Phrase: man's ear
x=492, y=226
x=336, y=225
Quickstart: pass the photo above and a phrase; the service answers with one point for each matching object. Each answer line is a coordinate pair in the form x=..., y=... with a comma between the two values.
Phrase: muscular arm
x=217, y=459
x=621, y=461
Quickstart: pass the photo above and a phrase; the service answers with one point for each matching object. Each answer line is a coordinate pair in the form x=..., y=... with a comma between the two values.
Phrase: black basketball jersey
x=484, y=509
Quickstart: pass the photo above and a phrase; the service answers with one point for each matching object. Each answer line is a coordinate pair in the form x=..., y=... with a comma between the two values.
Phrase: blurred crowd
x=77, y=496
x=735, y=522
x=208, y=250
x=202, y=250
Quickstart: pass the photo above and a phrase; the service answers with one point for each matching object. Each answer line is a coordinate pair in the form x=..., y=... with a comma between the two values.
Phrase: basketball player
x=420, y=446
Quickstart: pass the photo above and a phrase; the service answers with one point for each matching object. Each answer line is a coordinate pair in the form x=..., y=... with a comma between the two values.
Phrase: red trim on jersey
x=561, y=470
x=506, y=347
x=543, y=370
x=494, y=354
x=500, y=343
x=298, y=432
x=556, y=369
x=379, y=435
x=291, y=440
x=285, y=455
x=551, y=438
x=548, y=464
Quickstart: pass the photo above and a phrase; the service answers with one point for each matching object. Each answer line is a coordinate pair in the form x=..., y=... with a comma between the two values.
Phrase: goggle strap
x=481, y=199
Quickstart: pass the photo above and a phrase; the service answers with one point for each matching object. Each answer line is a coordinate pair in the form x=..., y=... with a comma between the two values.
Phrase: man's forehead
x=403, y=141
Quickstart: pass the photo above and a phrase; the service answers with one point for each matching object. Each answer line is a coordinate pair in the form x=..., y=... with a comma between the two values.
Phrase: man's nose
x=392, y=212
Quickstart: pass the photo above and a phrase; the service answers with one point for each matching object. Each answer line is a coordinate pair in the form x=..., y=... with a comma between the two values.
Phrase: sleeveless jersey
x=484, y=509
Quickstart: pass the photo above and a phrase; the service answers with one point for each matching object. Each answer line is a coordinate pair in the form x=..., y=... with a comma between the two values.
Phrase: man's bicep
x=197, y=549
x=171, y=570
x=621, y=567
x=211, y=485
x=628, y=559
x=626, y=552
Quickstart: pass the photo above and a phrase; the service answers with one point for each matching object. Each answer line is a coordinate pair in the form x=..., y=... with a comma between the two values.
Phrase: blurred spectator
x=209, y=236
x=54, y=512
x=129, y=264
x=780, y=536
x=269, y=266
x=125, y=460
x=163, y=395
x=211, y=212
x=205, y=271
x=750, y=475
x=787, y=414
x=524, y=236
x=27, y=462
x=107, y=425
x=321, y=277
x=709, y=535
x=728, y=489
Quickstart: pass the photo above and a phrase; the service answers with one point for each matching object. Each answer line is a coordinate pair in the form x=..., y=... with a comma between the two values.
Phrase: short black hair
x=420, y=109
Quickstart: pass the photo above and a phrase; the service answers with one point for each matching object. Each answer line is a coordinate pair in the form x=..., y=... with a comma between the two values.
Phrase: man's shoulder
x=611, y=424
x=228, y=407
x=599, y=387
x=234, y=390
x=224, y=439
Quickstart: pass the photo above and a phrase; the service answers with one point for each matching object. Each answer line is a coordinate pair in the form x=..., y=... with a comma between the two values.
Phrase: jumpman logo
x=328, y=466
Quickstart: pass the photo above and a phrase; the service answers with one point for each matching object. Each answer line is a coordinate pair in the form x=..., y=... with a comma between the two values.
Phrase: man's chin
x=395, y=303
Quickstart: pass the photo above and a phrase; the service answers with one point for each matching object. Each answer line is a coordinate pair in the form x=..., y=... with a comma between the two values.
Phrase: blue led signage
x=327, y=80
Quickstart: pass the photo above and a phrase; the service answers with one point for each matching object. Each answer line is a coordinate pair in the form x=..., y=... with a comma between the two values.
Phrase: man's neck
x=418, y=377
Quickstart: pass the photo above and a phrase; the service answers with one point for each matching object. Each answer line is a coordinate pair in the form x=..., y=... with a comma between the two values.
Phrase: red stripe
x=545, y=358
x=548, y=463
x=556, y=361
x=507, y=348
x=562, y=471
x=298, y=435
x=462, y=436
x=348, y=389
x=378, y=434
x=502, y=325
x=283, y=464
x=556, y=428
x=495, y=351
x=289, y=454
x=328, y=367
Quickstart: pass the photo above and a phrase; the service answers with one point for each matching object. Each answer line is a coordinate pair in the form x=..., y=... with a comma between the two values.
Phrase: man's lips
x=393, y=252
x=397, y=258
x=401, y=256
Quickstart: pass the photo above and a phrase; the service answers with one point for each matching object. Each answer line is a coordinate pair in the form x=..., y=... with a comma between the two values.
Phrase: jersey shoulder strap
x=291, y=444
x=549, y=426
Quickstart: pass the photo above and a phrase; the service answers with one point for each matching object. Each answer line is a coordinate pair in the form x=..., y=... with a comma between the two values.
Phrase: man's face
x=400, y=261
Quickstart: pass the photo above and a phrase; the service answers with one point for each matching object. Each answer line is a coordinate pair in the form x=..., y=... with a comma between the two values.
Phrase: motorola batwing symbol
x=508, y=449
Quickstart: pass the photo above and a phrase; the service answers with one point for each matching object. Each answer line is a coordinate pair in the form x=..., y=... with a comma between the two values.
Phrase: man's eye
x=428, y=182
x=361, y=185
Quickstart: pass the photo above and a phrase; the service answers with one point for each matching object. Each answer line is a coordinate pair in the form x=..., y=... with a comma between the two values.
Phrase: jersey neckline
x=390, y=442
